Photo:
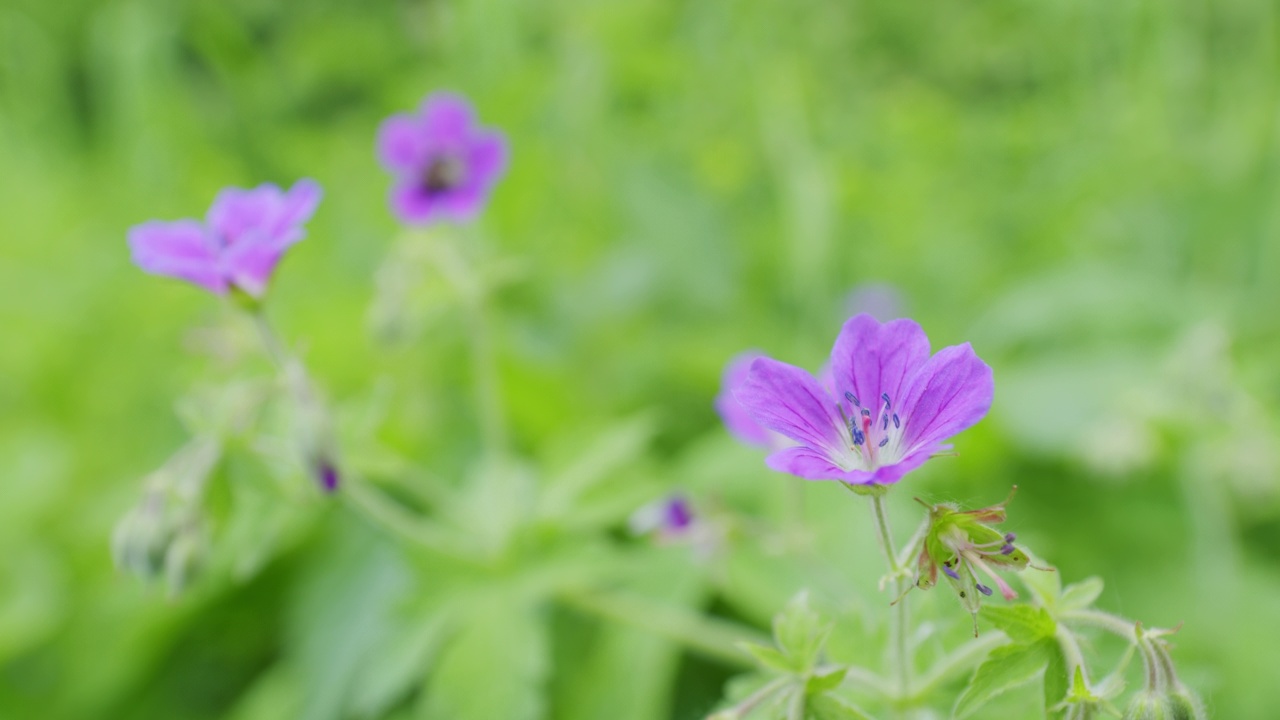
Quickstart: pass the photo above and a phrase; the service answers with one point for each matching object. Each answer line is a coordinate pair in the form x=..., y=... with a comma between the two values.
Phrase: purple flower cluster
x=882, y=407
x=445, y=167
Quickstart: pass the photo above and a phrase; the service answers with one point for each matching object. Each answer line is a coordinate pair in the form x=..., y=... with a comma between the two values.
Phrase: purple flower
x=887, y=409
x=242, y=239
x=444, y=164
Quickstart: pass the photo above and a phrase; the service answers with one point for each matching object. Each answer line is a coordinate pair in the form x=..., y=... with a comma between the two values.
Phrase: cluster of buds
x=1163, y=696
x=967, y=551
x=165, y=535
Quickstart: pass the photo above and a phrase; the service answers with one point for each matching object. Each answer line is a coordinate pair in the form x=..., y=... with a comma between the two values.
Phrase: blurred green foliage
x=1087, y=191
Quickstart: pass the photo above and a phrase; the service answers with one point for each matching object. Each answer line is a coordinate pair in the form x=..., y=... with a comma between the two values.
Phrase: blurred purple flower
x=669, y=518
x=444, y=163
x=244, y=236
x=888, y=408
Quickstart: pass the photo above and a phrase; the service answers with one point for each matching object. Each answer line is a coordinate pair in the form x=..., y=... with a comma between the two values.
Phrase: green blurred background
x=1087, y=191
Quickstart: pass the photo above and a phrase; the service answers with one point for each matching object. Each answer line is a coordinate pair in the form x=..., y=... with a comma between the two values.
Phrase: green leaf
x=819, y=683
x=771, y=658
x=1081, y=595
x=1005, y=668
x=1055, y=680
x=1022, y=623
x=495, y=667
x=832, y=707
x=800, y=632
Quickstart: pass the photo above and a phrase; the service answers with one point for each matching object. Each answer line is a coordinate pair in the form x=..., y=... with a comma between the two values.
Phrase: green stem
x=960, y=659
x=402, y=523
x=719, y=639
x=900, y=659
x=1126, y=629
x=484, y=366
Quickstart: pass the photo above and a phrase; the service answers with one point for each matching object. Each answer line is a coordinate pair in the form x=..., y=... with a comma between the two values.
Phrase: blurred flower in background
x=444, y=164
x=245, y=234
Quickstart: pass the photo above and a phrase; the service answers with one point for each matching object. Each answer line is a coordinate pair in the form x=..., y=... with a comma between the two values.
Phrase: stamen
x=1010, y=537
x=885, y=397
x=883, y=442
x=983, y=589
x=1007, y=550
x=896, y=423
x=866, y=412
x=858, y=437
x=853, y=399
x=946, y=568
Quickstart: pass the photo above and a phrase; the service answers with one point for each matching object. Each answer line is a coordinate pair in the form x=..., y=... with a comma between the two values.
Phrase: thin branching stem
x=900, y=658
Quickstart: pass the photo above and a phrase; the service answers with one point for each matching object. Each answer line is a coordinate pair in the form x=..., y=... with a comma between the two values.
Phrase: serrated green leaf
x=832, y=707
x=771, y=658
x=1022, y=623
x=819, y=683
x=800, y=632
x=1081, y=595
x=1005, y=668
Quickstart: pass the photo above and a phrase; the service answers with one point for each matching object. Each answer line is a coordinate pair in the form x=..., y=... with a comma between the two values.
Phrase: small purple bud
x=679, y=515
x=983, y=589
x=328, y=476
x=1010, y=537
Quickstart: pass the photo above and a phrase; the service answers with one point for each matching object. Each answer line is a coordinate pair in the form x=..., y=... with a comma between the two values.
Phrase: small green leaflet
x=1005, y=668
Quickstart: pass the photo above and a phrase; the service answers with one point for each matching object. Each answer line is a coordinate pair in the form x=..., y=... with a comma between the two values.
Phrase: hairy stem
x=899, y=652
x=1106, y=621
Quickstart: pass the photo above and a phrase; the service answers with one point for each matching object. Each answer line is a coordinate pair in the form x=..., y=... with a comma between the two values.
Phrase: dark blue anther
x=866, y=412
x=858, y=437
x=885, y=397
x=950, y=573
x=983, y=589
x=853, y=399
x=1006, y=550
x=886, y=422
x=1010, y=537
x=896, y=423
x=884, y=442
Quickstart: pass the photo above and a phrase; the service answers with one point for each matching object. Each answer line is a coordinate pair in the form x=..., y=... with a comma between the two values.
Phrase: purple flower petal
x=414, y=205
x=487, y=157
x=296, y=207
x=401, y=146
x=736, y=419
x=870, y=360
x=950, y=393
x=812, y=464
x=462, y=203
x=236, y=213
x=446, y=115
x=249, y=265
x=788, y=400
x=179, y=249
